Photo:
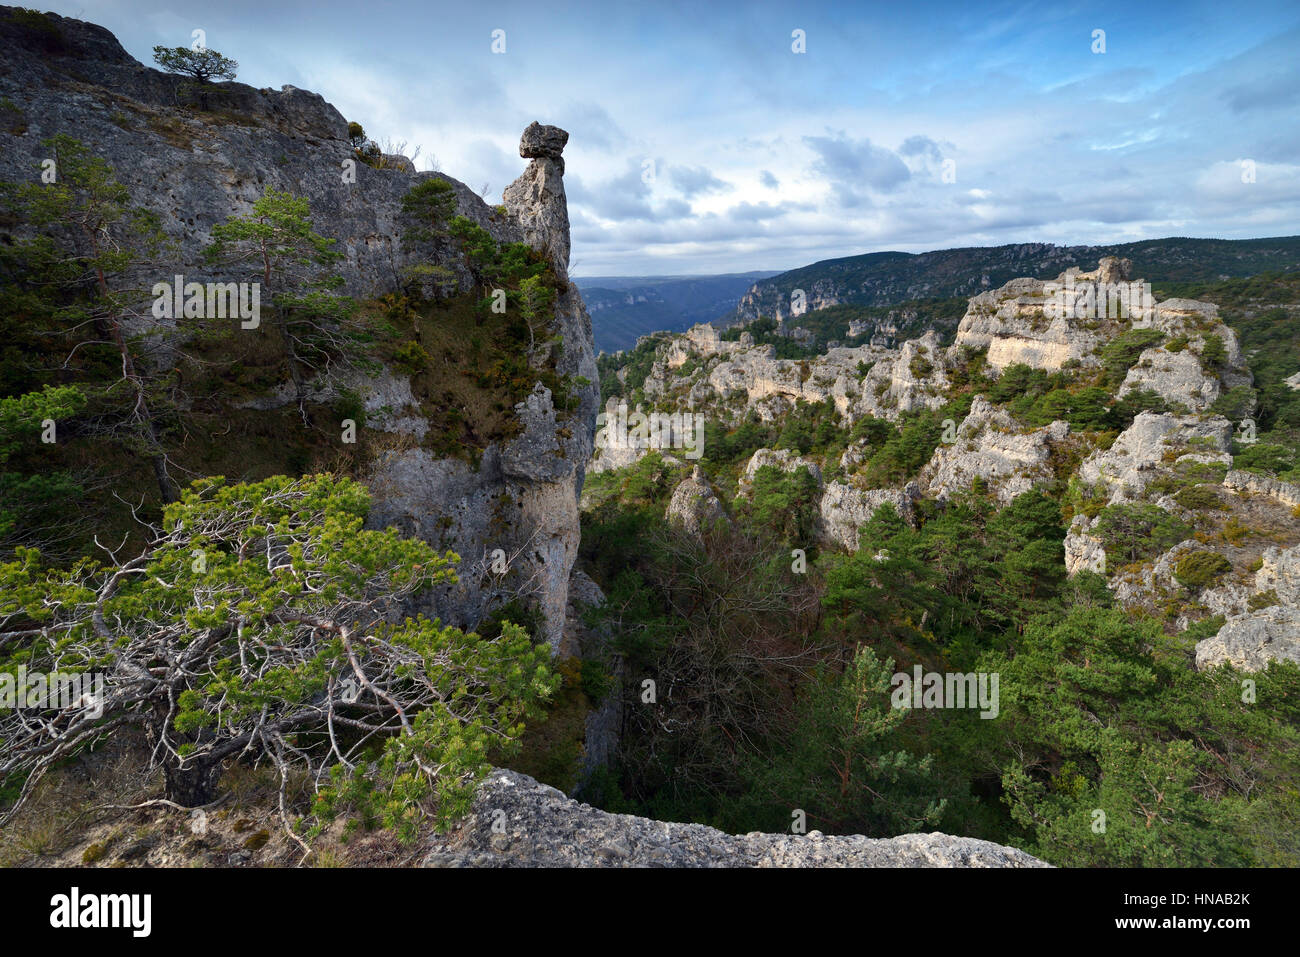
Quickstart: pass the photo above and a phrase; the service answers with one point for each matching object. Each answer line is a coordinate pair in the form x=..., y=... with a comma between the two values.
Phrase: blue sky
x=701, y=143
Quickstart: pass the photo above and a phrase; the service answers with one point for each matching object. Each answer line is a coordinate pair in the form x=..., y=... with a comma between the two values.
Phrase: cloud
x=623, y=198
x=694, y=180
x=490, y=164
x=590, y=125
x=1280, y=91
x=1052, y=143
x=752, y=212
x=921, y=146
x=1242, y=184
x=854, y=166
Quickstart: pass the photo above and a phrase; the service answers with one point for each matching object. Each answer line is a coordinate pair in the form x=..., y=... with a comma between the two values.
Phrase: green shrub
x=348, y=404
x=1198, y=498
x=597, y=683
x=1195, y=570
x=1261, y=599
x=1266, y=457
x=204, y=65
x=1118, y=355
x=785, y=502
x=429, y=206
x=1237, y=403
x=411, y=357
x=1132, y=533
x=294, y=622
x=1213, y=353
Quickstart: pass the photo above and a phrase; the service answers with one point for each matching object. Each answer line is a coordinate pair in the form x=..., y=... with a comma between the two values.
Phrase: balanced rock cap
x=542, y=141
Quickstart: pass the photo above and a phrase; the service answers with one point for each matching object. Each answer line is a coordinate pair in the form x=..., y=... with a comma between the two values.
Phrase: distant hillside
x=625, y=307
x=889, y=278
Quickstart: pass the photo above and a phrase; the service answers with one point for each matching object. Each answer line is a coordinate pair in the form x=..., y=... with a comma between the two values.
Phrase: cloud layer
x=701, y=142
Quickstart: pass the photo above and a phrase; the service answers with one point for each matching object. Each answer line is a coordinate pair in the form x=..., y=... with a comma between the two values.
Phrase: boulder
x=1251, y=639
x=1138, y=455
x=543, y=142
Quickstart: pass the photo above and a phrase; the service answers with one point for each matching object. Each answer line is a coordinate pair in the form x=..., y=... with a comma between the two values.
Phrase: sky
x=724, y=137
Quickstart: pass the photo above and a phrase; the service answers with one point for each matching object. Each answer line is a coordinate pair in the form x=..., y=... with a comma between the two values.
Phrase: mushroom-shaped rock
x=542, y=141
x=536, y=200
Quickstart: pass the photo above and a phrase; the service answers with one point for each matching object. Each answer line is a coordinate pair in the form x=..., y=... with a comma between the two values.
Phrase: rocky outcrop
x=704, y=340
x=994, y=448
x=1250, y=639
x=1083, y=552
x=1136, y=586
x=197, y=167
x=1279, y=574
x=864, y=380
x=845, y=509
x=520, y=500
x=1013, y=324
x=1254, y=483
x=199, y=155
x=517, y=822
x=536, y=200
x=523, y=498
x=782, y=459
x=1180, y=375
x=1047, y=324
x=1176, y=377
x=1152, y=444
x=762, y=377
x=1065, y=322
x=694, y=504
x=915, y=376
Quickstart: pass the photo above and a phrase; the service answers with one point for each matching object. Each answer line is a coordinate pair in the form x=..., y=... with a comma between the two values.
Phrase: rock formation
x=536, y=200
x=992, y=447
x=695, y=505
x=517, y=822
x=782, y=459
x=1252, y=637
x=196, y=167
x=845, y=509
x=1189, y=359
x=1139, y=454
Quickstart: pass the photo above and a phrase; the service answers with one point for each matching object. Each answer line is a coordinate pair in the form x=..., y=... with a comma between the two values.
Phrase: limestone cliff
x=1100, y=330
x=197, y=157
